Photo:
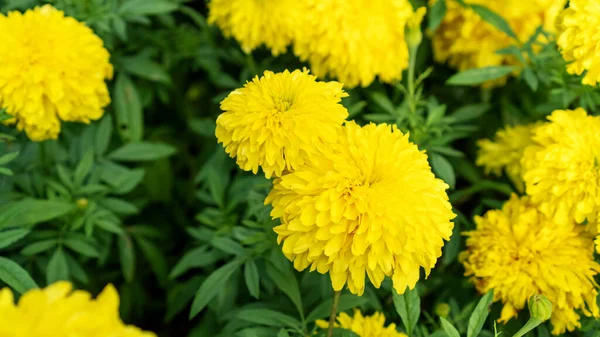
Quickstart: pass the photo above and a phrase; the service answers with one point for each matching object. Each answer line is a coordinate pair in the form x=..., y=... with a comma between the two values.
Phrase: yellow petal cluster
x=578, y=29
x=281, y=121
x=504, y=152
x=364, y=326
x=465, y=41
x=256, y=22
x=53, y=68
x=354, y=40
x=519, y=252
x=561, y=169
x=58, y=311
x=371, y=207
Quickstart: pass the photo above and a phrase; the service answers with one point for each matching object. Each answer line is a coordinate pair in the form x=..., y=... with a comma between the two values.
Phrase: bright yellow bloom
x=519, y=252
x=256, y=22
x=364, y=326
x=561, y=170
x=58, y=311
x=372, y=206
x=578, y=37
x=504, y=152
x=354, y=40
x=466, y=41
x=52, y=68
x=281, y=121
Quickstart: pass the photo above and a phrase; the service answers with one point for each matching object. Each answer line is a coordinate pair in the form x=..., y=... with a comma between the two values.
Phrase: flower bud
x=442, y=309
x=540, y=307
x=414, y=36
x=82, y=203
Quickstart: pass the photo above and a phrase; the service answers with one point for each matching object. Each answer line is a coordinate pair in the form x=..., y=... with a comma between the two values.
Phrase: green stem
x=251, y=64
x=531, y=324
x=334, y=308
x=412, y=101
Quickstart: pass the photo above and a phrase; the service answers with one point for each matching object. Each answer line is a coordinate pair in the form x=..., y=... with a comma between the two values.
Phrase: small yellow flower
x=561, y=169
x=53, y=69
x=519, y=252
x=372, y=207
x=281, y=121
x=465, y=41
x=256, y=22
x=58, y=311
x=354, y=40
x=578, y=28
x=504, y=152
x=364, y=326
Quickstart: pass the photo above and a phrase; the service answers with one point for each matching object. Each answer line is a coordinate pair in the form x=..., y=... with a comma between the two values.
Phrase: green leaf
x=144, y=67
x=213, y=285
x=142, y=151
x=127, y=257
x=119, y=27
x=252, y=278
x=449, y=328
x=408, y=306
x=155, y=258
x=7, y=158
x=81, y=246
x=531, y=78
x=4, y=116
x=15, y=276
x=227, y=245
x=268, y=317
x=147, y=7
x=436, y=15
x=109, y=225
x=128, y=109
x=38, y=247
x=6, y=172
x=480, y=75
x=84, y=167
x=58, y=267
x=179, y=295
x=103, y=134
x=443, y=169
x=286, y=281
x=468, y=112
x=119, y=206
x=480, y=314
x=384, y=102
x=12, y=235
x=283, y=333
x=494, y=19
x=346, y=302
x=32, y=211
x=198, y=257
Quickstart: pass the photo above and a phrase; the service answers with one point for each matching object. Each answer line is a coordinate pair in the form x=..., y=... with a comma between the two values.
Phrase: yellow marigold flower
x=256, y=22
x=364, y=326
x=561, y=169
x=465, y=41
x=53, y=68
x=372, y=206
x=577, y=39
x=504, y=152
x=280, y=121
x=520, y=252
x=58, y=311
x=354, y=40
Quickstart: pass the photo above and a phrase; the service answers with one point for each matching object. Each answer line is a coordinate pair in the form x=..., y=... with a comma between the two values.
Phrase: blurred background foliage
x=147, y=200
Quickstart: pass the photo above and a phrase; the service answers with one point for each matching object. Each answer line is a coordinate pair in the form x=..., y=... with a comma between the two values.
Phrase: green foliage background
x=147, y=200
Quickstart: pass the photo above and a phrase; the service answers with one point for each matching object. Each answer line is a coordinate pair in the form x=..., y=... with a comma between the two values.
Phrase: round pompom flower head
x=364, y=326
x=371, y=208
x=505, y=151
x=465, y=41
x=53, y=69
x=578, y=38
x=520, y=252
x=560, y=169
x=280, y=121
x=59, y=311
x=354, y=40
x=256, y=22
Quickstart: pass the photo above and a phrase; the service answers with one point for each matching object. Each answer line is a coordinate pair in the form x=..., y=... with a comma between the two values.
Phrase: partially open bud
x=414, y=36
x=82, y=203
x=540, y=307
